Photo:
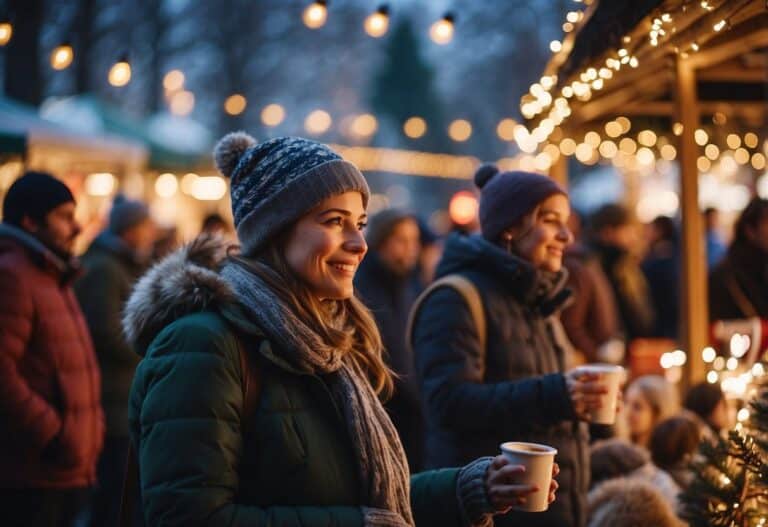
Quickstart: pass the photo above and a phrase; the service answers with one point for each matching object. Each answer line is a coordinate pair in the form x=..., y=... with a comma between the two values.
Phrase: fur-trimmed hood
x=184, y=282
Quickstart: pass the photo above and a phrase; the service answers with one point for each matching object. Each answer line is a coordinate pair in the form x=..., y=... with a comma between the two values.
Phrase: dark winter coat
x=590, y=319
x=630, y=288
x=50, y=417
x=745, y=269
x=514, y=390
x=662, y=272
x=296, y=465
x=389, y=297
x=110, y=272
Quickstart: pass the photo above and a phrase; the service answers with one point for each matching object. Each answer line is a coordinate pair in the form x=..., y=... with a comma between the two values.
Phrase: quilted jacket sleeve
x=24, y=412
x=446, y=347
x=186, y=402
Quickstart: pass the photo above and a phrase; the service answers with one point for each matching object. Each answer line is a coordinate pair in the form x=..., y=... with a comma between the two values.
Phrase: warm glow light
x=708, y=354
x=272, y=114
x=441, y=31
x=712, y=377
x=645, y=156
x=377, y=23
x=166, y=185
x=628, y=145
x=712, y=151
x=555, y=46
x=647, y=138
x=209, y=188
x=742, y=415
x=120, y=73
x=460, y=130
x=99, y=184
x=567, y=146
x=6, y=32
x=188, y=182
x=733, y=141
x=750, y=140
x=758, y=161
x=315, y=14
x=592, y=139
x=463, y=207
x=677, y=128
x=415, y=127
x=364, y=125
x=741, y=155
x=506, y=129
x=584, y=152
x=318, y=122
x=608, y=149
x=719, y=26
x=613, y=129
x=703, y=164
x=173, y=81
x=626, y=124
x=701, y=137
x=182, y=103
x=61, y=57
x=668, y=152
x=235, y=104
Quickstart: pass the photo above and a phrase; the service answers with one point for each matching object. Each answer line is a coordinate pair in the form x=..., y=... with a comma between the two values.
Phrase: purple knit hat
x=506, y=197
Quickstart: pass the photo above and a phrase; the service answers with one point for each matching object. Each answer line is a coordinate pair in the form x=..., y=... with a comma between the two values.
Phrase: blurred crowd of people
x=67, y=368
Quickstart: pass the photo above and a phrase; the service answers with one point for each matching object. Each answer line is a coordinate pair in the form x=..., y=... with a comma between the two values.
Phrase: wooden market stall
x=682, y=67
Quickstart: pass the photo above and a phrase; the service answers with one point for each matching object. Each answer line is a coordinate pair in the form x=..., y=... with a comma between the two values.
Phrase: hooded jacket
x=294, y=466
x=514, y=389
x=50, y=412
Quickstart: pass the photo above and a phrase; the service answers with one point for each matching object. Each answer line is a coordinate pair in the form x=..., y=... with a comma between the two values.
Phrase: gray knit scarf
x=381, y=458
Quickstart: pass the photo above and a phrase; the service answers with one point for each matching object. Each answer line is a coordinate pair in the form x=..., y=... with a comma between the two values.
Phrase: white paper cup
x=537, y=460
x=612, y=376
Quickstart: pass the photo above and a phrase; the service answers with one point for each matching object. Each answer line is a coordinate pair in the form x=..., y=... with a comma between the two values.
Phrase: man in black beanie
x=385, y=284
x=50, y=412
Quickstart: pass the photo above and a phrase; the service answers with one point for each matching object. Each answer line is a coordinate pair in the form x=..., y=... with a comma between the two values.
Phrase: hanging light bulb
x=316, y=14
x=61, y=56
x=120, y=72
x=6, y=32
x=441, y=31
x=377, y=23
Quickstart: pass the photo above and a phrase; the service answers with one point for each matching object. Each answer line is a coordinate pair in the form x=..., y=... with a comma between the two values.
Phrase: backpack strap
x=471, y=296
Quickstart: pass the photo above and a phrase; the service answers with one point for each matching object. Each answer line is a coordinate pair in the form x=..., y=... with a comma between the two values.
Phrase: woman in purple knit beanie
x=512, y=384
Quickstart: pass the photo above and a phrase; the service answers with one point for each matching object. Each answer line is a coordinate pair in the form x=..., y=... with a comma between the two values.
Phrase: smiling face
x=325, y=247
x=544, y=242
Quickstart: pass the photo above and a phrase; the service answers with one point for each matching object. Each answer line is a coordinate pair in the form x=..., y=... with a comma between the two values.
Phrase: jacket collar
x=65, y=271
x=534, y=288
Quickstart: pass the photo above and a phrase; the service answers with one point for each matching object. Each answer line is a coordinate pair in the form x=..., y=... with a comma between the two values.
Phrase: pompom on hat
x=276, y=182
x=506, y=197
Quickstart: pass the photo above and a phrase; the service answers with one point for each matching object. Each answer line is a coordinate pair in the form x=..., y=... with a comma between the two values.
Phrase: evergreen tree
x=404, y=88
x=730, y=485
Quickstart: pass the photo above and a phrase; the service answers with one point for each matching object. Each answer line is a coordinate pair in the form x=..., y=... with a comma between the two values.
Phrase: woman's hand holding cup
x=586, y=391
x=503, y=487
x=595, y=391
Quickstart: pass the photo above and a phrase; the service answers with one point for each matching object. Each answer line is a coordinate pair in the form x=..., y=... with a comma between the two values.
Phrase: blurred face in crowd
x=544, y=241
x=400, y=251
x=719, y=418
x=58, y=230
x=624, y=236
x=325, y=247
x=640, y=415
x=758, y=233
x=141, y=237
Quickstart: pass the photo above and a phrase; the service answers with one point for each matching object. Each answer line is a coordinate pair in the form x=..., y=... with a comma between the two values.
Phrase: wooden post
x=559, y=171
x=693, y=278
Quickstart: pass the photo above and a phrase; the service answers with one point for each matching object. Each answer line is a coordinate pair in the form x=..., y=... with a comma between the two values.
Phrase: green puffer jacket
x=294, y=467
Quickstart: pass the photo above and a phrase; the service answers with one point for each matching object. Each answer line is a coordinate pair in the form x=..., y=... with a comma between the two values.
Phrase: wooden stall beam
x=694, y=313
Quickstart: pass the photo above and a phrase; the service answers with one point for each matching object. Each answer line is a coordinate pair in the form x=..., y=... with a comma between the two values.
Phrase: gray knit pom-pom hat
x=274, y=183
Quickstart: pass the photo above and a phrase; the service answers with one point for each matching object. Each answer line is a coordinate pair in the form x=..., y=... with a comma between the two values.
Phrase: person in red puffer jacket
x=50, y=412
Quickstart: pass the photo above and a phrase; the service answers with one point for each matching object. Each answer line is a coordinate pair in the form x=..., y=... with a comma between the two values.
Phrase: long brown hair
x=358, y=336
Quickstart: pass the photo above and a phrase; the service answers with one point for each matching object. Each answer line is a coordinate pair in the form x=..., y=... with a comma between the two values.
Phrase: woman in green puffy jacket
x=280, y=318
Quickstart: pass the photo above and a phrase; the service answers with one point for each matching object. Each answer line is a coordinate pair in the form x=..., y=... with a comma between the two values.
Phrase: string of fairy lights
x=541, y=146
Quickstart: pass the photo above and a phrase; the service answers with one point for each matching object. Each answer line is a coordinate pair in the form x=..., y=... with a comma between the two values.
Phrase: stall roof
x=22, y=128
x=95, y=116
